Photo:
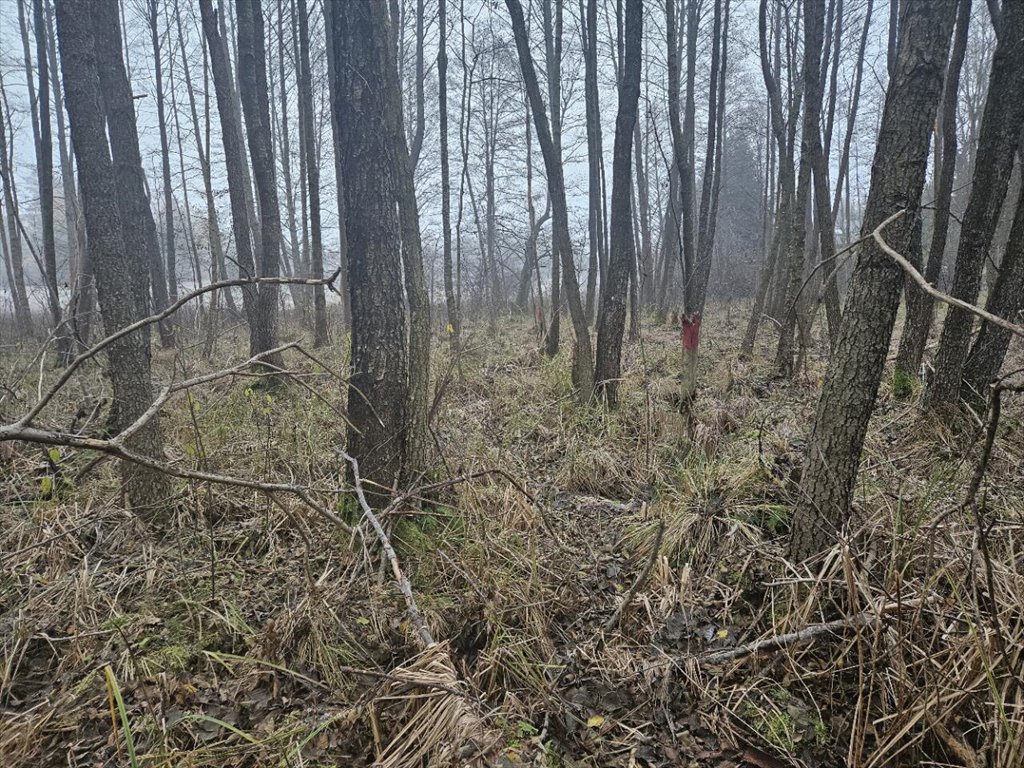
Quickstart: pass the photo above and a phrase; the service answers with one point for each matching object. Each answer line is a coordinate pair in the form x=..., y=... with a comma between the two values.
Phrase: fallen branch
x=422, y=631
x=869, y=618
x=613, y=620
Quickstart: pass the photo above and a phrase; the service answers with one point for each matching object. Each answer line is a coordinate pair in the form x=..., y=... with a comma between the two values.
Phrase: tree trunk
x=312, y=179
x=234, y=160
x=920, y=305
x=284, y=140
x=44, y=169
x=611, y=321
x=454, y=322
x=814, y=21
x=379, y=386
x=1005, y=300
x=83, y=293
x=120, y=272
x=217, y=262
x=897, y=180
x=997, y=143
x=682, y=152
x=252, y=83
x=416, y=454
x=332, y=87
x=583, y=365
x=22, y=311
x=165, y=157
x=595, y=211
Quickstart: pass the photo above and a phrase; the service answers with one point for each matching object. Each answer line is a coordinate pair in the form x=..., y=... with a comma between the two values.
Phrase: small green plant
x=117, y=704
x=903, y=384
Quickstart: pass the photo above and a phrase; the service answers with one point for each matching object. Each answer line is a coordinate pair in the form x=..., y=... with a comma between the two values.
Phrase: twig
x=613, y=620
x=927, y=287
x=99, y=346
x=422, y=631
x=868, y=618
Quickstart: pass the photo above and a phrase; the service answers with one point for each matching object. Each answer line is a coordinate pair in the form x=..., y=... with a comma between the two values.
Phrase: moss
x=904, y=384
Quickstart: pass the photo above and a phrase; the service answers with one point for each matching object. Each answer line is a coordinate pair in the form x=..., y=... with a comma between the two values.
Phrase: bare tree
x=997, y=142
x=15, y=258
x=252, y=85
x=897, y=181
x=312, y=177
x=612, y=318
x=454, y=321
x=121, y=273
x=920, y=305
x=379, y=387
x=234, y=160
x=583, y=366
x=595, y=209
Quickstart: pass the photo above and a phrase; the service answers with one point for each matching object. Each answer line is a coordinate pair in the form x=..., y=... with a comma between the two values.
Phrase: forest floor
x=248, y=631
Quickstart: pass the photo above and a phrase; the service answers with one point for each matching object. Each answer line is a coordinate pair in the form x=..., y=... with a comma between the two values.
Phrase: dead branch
x=613, y=620
x=422, y=631
x=869, y=618
x=927, y=287
x=99, y=346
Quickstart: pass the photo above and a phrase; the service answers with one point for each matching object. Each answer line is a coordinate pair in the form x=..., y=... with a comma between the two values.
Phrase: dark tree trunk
x=786, y=182
x=415, y=456
x=920, y=305
x=583, y=365
x=234, y=160
x=454, y=322
x=22, y=311
x=284, y=140
x=595, y=211
x=897, y=180
x=814, y=21
x=378, y=395
x=252, y=84
x=120, y=271
x=552, y=23
x=332, y=87
x=44, y=169
x=1006, y=300
x=611, y=321
x=997, y=143
x=217, y=265
x=83, y=299
x=312, y=179
x=165, y=156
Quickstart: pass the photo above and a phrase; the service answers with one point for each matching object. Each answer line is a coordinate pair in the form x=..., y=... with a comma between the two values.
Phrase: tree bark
x=595, y=211
x=332, y=88
x=44, y=169
x=814, y=20
x=998, y=141
x=416, y=454
x=379, y=387
x=897, y=180
x=120, y=272
x=1005, y=300
x=165, y=156
x=920, y=305
x=611, y=321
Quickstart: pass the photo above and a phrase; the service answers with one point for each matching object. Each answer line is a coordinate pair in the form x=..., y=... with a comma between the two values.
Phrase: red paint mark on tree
x=691, y=331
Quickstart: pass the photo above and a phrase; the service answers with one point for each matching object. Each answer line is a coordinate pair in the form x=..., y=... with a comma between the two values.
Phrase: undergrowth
x=252, y=632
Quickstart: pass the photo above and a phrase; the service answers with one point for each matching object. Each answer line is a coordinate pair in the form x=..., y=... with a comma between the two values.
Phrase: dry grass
x=250, y=634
